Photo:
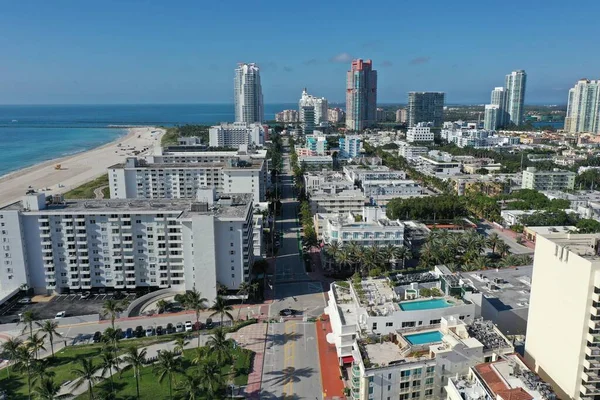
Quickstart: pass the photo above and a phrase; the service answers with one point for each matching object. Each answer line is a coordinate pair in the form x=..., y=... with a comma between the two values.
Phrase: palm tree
x=510, y=261
x=166, y=366
x=180, y=343
x=49, y=390
x=244, y=291
x=193, y=300
x=524, y=259
x=211, y=377
x=503, y=248
x=25, y=363
x=109, y=362
x=112, y=307
x=221, y=307
x=86, y=372
x=220, y=346
x=40, y=369
x=135, y=359
x=344, y=257
x=493, y=240
x=190, y=388
x=402, y=253
x=388, y=253
x=112, y=337
x=27, y=318
x=10, y=351
x=332, y=250
x=162, y=305
x=200, y=355
x=476, y=264
x=49, y=328
x=359, y=257
x=35, y=344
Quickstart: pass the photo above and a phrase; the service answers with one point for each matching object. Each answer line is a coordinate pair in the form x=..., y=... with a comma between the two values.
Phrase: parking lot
x=72, y=304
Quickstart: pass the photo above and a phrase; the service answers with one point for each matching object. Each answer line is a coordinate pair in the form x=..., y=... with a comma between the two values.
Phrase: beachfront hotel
x=178, y=175
x=56, y=246
x=236, y=134
x=563, y=328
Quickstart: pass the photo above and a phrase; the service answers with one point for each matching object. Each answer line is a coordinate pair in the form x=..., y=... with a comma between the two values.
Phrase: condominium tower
x=248, y=98
x=583, y=110
x=427, y=107
x=361, y=95
x=563, y=326
x=515, y=96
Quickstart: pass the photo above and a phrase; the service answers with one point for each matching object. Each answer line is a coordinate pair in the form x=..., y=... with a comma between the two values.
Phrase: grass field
x=86, y=191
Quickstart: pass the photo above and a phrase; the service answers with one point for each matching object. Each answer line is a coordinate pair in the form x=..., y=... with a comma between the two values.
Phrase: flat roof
x=251, y=163
x=506, y=288
x=584, y=245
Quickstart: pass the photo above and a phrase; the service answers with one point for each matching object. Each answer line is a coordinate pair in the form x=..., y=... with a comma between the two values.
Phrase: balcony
x=591, y=364
x=589, y=389
x=592, y=352
x=594, y=311
x=591, y=377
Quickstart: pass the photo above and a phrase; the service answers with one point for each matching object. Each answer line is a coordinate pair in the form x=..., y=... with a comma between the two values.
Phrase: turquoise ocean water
x=33, y=134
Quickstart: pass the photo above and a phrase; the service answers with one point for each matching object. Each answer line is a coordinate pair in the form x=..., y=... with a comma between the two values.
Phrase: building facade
x=548, y=180
x=361, y=95
x=236, y=134
x=491, y=119
x=287, y=116
x=124, y=244
x=516, y=83
x=427, y=107
x=583, y=109
x=247, y=94
x=350, y=146
x=401, y=115
x=336, y=115
x=564, y=314
x=419, y=133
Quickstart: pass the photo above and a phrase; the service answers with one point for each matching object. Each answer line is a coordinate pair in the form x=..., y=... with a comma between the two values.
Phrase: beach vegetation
x=86, y=191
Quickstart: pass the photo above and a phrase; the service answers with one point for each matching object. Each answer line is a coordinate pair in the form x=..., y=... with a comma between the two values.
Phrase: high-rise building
x=401, y=115
x=583, y=110
x=515, y=96
x=248, y=98
x=336, y=115
x=287, y=116
x=361, y=95
x=563, y=324
x=236, y=134
x=492, y=117
x=312, y=113
x=426, y=107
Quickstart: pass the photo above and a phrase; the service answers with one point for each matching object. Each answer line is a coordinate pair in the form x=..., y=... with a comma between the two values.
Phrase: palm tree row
x=353, y=257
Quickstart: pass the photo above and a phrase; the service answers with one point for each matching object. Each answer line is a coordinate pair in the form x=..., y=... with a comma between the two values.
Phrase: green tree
x=112, y=308
x=49, y=390
x=503, y=248
x=24, y=364
x=135, y=359
x=28, y=318
x=49, y=328
x=109, y=363
x=35, y=344
x=211, y=377
x=112, y=336
x=493, y=240
x=220, y=347
x=220, y=307
x=162, y=305
x=588, y=226
x=193, y=300
x=10, y=351
x=40, y=369
x=180, y=343
x=166, y=366
x=190, y=387
x=86, y=373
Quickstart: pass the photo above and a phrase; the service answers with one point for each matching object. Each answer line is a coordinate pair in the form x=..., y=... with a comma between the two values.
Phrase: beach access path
x=79, y=168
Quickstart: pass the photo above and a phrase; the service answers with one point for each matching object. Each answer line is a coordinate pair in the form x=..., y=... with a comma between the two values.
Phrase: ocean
x=33, y=134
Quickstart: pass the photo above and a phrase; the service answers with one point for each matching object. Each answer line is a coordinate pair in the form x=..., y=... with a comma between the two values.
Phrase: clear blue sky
x=70, y=52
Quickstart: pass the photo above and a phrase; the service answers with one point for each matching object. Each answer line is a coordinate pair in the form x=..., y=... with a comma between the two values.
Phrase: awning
x=347, y=359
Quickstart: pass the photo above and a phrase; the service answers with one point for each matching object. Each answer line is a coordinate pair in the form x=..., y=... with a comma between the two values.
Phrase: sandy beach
x=78, y=168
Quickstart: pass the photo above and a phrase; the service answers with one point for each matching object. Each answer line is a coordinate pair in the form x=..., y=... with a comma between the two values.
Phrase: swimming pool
x=423, y=304
x=424, y=337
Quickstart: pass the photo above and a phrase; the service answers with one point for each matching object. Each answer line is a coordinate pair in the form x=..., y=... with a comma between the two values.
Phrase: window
x=388, y=324
x=405, y=373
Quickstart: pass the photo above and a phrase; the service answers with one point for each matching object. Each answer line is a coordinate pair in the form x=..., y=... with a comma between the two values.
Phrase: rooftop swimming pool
x=424, y=337
x=416, y=305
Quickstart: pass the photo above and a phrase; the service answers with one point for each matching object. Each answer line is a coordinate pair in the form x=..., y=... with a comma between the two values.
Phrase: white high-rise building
x=515, y=96
x=583, y=110
x=492, y=117
x=53, y=245
x=312, y=111
x=563, y=325
x=248, y=98
x=236, y=134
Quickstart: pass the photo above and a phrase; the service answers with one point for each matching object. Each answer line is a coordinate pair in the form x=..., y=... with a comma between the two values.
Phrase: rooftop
x=506, y=288
x=232, y=163
x=584, y=245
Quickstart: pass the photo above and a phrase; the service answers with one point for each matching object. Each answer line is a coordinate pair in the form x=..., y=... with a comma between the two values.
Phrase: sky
x=105, y=52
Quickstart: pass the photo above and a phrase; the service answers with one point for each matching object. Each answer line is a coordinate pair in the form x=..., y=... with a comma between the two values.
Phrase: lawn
x=86, y=191
x=67, y=359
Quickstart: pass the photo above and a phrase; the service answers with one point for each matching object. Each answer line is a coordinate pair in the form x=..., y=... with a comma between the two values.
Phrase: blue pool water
x=423, y=304
x=424, y=337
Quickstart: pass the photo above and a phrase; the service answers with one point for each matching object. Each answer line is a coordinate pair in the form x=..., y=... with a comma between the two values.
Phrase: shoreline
x=78, y=168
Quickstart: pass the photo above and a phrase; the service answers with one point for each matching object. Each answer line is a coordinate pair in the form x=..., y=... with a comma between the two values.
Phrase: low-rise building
x=327, y=181
x=420, y=133
x=548, y=180
x=364, y=173
x=393, y=188
x=236, y=134
x=316, y=162
x=488, y=184
x=343, y=202
x=350, y=146
x=439, y=164
x=411, y=152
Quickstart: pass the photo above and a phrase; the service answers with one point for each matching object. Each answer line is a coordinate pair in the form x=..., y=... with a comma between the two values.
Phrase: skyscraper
x=583, y=110
x=312, y=111
x=361, y=95
x=495, y=112
x=426, y=107
x=515, y=96
x=248, y=98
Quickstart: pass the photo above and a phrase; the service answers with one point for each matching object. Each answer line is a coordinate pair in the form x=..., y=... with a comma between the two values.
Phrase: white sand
x=78, y=168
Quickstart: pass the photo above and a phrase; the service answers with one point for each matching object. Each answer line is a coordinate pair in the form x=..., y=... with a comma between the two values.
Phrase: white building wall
x=13, y=273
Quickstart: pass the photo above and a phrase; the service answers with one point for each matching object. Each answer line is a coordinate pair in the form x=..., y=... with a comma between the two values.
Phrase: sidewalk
x=253, y=337
x=330, y=371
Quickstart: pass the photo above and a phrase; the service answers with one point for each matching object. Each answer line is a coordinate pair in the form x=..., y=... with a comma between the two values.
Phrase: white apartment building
x=419, y=133
x=350, y=146
x=563, y=327
x=337, y=202
x=236, y=134
x=257, y=236
x=316, y=162
x=326, y=181
x=583, y=109
x=507, y=378
x=394, y=188
x=56, y=246
x=317, y=109
x=439, y=164
x=548, y=180
x=356, y=173
x=411, y=152
x=138, y=179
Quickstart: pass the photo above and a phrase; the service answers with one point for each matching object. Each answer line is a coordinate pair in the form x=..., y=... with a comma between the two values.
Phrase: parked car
x=25, y=300
x=209, y=323
x=198, y=326
x=170, y=328
x=188, y=326
x=60, y=314
x=129, y=333
x=149, y=331
x=139, y=331
x=159, y=330
x=179, y=327
x=287, y=312
x=97, y=336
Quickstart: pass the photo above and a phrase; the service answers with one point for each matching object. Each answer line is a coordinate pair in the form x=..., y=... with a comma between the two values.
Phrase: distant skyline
x=112, y=52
